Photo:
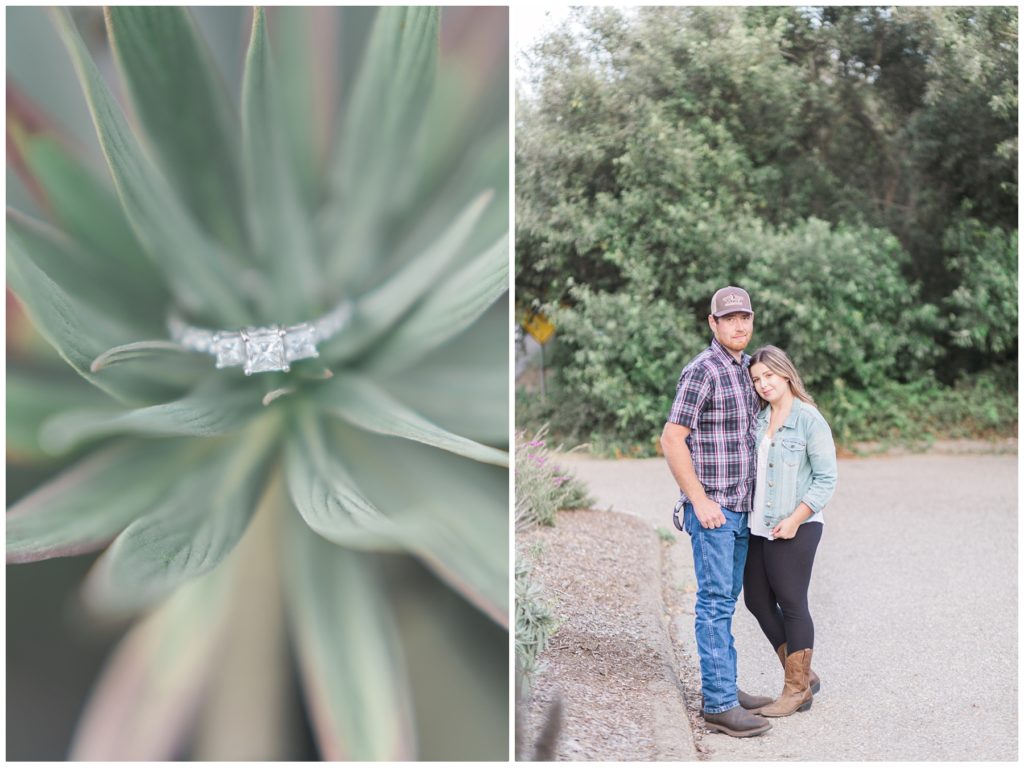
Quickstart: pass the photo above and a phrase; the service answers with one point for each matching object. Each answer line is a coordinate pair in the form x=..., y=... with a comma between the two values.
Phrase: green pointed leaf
x=377, y=133
x=56, y=314
x=425, y=516
x=494, y=221
x=463, y=139
x=198, y=270
x=194, y=528
x=210, y=410
x=145, y=702
x=304, y=57
x=326, y=496
x=448, y=642
x=452, y=512
x=32, y=399
x=400, y=61
x=181, y=102
x=452, y=306
x=114, y=310
x=223, y=28
x=449, y=130
x=352, y=28
x=147, y=349
x=84, y=507
x=364, y=404
x=281, y=230
x=464, y=385
x=90, y=213
x=254, y=676
x=479, y=167
x=82, y=276
x=38, y=64
x=380, y=308
x=352, y=667
x=76, y=330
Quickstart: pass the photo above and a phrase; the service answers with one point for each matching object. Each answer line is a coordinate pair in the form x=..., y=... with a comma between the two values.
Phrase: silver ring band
x=261, y=349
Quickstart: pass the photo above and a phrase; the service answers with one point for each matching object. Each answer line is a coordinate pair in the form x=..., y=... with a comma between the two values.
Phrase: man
x=709, y=445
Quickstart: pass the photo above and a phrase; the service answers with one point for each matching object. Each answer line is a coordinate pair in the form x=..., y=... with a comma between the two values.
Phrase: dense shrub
x=618, y=358
x=835, y=299
x=983, y=309
x=981, y=405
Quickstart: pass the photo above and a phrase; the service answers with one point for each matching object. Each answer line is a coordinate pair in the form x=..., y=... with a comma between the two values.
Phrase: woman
x=796, y=477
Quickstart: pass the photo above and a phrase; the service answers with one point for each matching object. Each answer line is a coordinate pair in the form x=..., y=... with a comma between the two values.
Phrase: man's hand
x=785, y=529
x=709, y=513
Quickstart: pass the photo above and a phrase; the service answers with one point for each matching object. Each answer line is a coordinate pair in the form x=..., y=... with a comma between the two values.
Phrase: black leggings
x=775, y=581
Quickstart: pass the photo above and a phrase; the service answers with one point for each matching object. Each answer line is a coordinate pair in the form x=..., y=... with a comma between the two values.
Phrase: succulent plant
x=242, y=515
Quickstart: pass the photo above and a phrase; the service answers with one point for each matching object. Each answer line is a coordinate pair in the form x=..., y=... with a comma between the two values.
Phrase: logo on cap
x=730, y=299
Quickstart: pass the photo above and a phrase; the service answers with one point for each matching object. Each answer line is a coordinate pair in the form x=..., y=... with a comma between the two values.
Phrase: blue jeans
x=718, y=559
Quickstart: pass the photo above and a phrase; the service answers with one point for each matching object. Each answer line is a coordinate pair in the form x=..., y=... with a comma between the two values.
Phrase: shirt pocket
x=725, y=411
x=793, y=451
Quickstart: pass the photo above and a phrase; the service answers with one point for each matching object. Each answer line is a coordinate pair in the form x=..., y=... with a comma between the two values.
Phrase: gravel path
x=915, y=604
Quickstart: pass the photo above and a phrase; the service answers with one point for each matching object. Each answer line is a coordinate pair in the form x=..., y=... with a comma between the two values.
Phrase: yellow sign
x=538, y=326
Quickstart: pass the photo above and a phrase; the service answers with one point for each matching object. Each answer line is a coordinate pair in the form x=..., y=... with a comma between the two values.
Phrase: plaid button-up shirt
x=715, y=398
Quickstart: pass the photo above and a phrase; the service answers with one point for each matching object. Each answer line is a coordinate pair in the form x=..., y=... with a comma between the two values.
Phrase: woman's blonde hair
x=776, y=360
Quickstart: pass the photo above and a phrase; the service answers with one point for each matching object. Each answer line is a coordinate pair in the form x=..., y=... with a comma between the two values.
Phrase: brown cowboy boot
x=815, y=681
x=796, y=693
x=737, y=722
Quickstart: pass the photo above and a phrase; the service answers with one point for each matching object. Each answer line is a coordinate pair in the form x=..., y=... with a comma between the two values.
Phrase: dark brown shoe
x=815, y=681
x=750, y=702
x=737, y=722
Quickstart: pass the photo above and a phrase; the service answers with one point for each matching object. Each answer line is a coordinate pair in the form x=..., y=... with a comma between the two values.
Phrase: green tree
x=855, y=167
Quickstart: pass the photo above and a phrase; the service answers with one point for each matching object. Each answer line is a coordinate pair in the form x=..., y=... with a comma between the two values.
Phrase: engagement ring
x=261, y=349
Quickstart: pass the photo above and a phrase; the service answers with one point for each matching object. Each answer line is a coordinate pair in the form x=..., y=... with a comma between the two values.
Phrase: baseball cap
x=729, y=300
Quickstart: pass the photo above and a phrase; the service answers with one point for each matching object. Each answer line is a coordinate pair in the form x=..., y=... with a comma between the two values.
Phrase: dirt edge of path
x=613, y=662
x=679, y=588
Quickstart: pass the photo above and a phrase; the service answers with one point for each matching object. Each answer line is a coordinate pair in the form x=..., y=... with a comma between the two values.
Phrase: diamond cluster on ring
x=261, y=349
x=264, y=349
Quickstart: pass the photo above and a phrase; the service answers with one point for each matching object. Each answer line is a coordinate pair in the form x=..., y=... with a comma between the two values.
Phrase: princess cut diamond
x=264, y=349
x=229, y=348
x=299, y=343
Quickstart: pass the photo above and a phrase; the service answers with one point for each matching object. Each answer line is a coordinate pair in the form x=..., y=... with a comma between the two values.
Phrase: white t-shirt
x=756, y=522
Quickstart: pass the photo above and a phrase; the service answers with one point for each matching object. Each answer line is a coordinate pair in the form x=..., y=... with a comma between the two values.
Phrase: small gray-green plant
x=535, y=624
x=666, y=536
x=233, y=508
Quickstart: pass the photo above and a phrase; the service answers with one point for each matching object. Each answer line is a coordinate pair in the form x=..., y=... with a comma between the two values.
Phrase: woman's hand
x=786, y=528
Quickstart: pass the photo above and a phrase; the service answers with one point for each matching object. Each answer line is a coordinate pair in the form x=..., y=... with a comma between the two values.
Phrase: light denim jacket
x=801, y=462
